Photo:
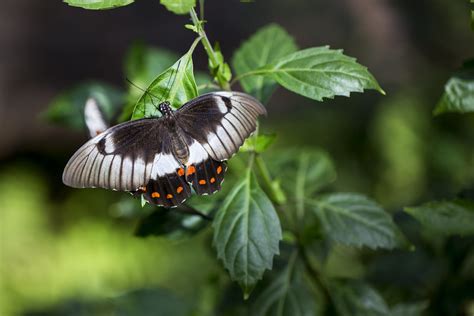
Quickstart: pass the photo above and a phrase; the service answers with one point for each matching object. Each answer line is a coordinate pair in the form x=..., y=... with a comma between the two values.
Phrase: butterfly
x=162, y=157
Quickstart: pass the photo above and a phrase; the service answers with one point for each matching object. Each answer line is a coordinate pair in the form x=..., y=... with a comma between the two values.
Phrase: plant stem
x=207, y=45
x=275, y=196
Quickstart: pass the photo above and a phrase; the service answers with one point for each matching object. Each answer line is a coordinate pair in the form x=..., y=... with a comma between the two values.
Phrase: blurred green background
x=63, y=251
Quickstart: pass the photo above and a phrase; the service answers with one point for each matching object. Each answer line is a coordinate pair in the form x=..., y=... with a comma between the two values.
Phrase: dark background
x=58, y=243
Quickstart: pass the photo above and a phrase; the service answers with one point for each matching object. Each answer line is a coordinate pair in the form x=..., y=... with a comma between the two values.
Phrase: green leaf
x=353, y=219
x=446, y=218
x=289, y=294
x=264, y=47
x=247, y=232
x=355, y=298
x=204, y=83
x=68, y=108
x=98, y=4
x=179, y=6
x=458, y=93
x=321, y=72
x=219, y=69
x=258, y=143
x=142, y=64
x=176, y=85
x=305, y=171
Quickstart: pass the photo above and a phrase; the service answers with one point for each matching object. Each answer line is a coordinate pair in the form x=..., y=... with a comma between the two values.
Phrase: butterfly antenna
x=147, y=92
x=172, y=83
x=140, y=88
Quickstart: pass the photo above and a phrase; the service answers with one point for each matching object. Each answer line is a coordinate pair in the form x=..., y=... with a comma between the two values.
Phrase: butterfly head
x=165, y=109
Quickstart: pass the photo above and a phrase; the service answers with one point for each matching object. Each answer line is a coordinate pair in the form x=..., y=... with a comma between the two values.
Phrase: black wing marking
x=124, y=157
x=220, y=121
x=168, y=191
x=206, y=177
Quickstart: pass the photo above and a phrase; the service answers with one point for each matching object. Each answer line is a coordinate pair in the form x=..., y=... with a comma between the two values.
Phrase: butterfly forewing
x=220, y=121
x=121, y=158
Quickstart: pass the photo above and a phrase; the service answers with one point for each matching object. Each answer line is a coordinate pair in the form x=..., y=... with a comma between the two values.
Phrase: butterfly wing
x=220, y=121
x=215, y=126
x=94, y=118
x=133, y=156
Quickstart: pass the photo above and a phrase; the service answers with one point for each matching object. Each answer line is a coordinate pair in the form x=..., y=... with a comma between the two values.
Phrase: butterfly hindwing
x=94, y=118
x=206, y=177
x=169, y=190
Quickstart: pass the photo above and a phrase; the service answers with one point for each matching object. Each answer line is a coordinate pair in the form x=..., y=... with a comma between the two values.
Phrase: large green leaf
x=446, y=218
x=247, y=232
x=288, y=295
x=98, y=4
x=304, y=171
x=458, y=93
x=176, y=85
x=142, y=64
x=179, y=6
x=353, y=219
x=264, y=47
x=321, y=72
x=301, y=174
x=354, y=298
x=68, y=108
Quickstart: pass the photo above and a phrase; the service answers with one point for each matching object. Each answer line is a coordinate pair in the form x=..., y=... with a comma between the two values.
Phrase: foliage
x=352, y=219
x=279, y=211
x=458, y=93
x=264, y=47
x=179, y=6
x=98, y=4
x=247, y=233
x=446, y=218
x=68, y=108
x=176, y=84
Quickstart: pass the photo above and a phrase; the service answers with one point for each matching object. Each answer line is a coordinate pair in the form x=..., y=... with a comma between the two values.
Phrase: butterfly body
x=162, y=158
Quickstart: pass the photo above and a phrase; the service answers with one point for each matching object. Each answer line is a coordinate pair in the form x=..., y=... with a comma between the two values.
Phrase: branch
x=207, y=45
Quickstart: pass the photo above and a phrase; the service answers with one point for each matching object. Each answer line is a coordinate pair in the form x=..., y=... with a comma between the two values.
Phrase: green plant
x=262, y=211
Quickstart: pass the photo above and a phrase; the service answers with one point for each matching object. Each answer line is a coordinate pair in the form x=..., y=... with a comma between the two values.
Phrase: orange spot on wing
x=219, y=170
x=212, y=180
x=179, y=189
x=202, y=182
x=155, y=195
x=180, y=172
x=190, y=170
x=169, y=196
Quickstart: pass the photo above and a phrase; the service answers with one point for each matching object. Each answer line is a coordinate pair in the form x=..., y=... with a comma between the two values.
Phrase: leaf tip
x=247, y=290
